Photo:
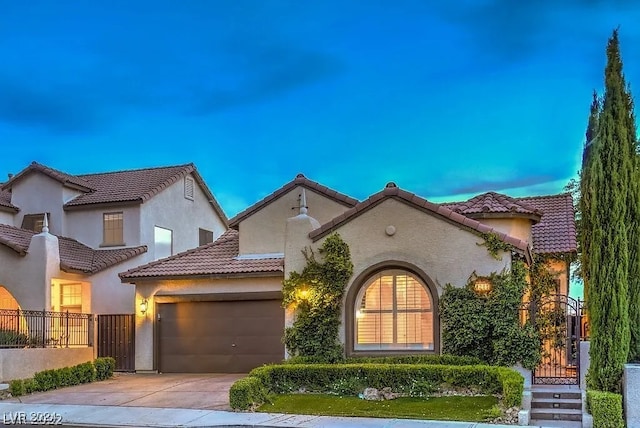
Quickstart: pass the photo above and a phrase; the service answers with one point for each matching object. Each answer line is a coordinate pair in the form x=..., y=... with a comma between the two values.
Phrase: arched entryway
x=7, y=301
x=392, y=309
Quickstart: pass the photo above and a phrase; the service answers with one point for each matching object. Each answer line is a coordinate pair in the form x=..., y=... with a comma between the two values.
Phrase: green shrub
x=30, y=386
x=85, y=372
x=347, y=386
x=349, y=378
x=46, y=380
x=104, y=367
x=421, y=388
x=246, y=392
x=449, y=360
x=66, y=376
x=606, y=409
x=9, y=338
x=16, y=387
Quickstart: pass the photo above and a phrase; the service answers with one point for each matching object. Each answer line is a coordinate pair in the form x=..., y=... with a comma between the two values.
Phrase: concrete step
x=557, y=414
x=556, y=403
x=553, y=424
x=562, y=394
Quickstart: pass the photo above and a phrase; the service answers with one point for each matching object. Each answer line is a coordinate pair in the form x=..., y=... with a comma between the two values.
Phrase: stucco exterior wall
x=561, y=269
x=264, y=231
x=29, y=278
x=171, y=210
x=86, y=226
x=150, y=289
x=446, y=253
x=37, y=193
x=7, y=218
x=517, y=227
x=24, y=363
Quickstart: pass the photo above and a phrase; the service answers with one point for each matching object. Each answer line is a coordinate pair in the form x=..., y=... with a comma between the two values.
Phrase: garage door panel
x=198, y=337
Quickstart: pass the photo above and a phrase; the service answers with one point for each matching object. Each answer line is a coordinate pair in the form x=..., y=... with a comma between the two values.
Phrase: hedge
x=450, y=360
x=606, y=409
x=350, y=378
x=102, y=368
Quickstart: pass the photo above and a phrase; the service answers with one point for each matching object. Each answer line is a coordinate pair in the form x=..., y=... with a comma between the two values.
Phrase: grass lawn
x=456, y=408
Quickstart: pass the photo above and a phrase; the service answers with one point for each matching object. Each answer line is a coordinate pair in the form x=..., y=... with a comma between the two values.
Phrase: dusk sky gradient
x=447, y=101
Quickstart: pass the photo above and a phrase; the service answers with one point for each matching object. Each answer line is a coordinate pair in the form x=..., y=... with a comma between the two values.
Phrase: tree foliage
x=609, y=251
x=316, y=294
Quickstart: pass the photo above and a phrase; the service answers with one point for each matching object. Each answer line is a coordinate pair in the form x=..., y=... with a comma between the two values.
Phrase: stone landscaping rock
x=371, y=394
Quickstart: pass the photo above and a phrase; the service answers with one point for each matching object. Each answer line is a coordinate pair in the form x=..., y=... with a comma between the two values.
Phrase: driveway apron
x=187, y=391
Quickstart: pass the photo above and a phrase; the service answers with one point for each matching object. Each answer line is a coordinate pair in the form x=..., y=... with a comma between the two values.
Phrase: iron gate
x=116, y=338
x=558, y=319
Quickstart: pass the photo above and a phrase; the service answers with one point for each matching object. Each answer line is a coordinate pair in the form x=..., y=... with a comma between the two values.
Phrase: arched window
x=393, y=311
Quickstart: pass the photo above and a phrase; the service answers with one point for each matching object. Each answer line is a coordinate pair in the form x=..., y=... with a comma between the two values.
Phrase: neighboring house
x=218, y=307
x=97, y=225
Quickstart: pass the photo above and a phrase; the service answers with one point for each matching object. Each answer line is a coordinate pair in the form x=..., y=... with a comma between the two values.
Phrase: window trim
x=104, y=241
x=351, y=300
x=35, y=218
x=202, y=231
x=394, y=310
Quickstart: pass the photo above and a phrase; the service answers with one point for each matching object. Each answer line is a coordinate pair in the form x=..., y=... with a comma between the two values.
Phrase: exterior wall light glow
x=304, y=294
x=144, y=305
x=482, y=286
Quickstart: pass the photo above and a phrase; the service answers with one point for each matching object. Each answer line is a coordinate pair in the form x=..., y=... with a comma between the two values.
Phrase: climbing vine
x=494, y=244
x=488, y=326
x=316, y=294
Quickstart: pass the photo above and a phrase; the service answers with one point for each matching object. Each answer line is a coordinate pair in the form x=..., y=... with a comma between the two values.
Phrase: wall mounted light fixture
x=482, y=285
x=144, y=305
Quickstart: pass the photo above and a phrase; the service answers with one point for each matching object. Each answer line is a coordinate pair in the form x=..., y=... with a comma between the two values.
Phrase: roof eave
x=7, y=209
x=113, y=204
x=497, y=215
x=269, y=274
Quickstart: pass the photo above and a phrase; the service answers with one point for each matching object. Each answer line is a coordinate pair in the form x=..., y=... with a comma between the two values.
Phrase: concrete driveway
x=188, y=391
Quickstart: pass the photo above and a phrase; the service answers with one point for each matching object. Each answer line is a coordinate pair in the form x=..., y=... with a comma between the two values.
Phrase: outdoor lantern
x=143, y=306
x=482, y=285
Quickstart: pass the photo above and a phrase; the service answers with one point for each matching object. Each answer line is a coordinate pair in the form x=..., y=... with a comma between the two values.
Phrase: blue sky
x=447, y=101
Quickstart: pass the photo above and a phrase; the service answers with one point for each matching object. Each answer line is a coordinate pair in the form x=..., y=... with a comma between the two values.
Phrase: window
x=34, y=222
x=112, y=229
x=163, y=242
x=206, y=236
x=71, y=297
x=394, y=312
x=188, y=187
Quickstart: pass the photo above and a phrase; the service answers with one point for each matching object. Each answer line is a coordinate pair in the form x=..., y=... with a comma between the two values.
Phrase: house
x=64, y=238
x=218, y=307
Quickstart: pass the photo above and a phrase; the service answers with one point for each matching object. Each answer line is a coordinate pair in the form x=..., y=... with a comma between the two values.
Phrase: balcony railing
x=44, y=329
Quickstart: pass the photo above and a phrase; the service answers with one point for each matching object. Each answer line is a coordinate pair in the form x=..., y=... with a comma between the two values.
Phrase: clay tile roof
x=137, y=186
x=492, y=204
x=392, y=191
x=219, y=258
x=5, y=202
x=300, y=180
x=556, y=232
x=74, y=256
x=64, y=178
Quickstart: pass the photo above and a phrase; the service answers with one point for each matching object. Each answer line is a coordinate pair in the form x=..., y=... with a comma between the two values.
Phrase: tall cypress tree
x=587, y=192
x=610, y=170
x=633, y=224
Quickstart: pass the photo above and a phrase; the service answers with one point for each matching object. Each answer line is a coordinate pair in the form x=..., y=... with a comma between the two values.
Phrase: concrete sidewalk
x=115, y=416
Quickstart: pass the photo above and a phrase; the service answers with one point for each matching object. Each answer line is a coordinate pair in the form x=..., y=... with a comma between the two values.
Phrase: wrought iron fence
x=44, y=329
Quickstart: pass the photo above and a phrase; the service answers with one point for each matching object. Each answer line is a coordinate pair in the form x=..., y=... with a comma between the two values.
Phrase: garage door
x=222, y=337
